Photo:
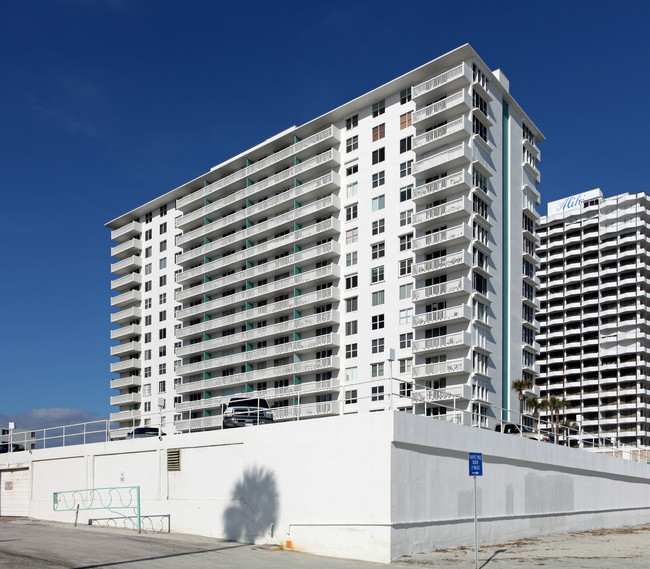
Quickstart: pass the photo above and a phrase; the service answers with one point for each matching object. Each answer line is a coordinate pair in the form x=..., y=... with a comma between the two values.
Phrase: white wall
x=369, y=486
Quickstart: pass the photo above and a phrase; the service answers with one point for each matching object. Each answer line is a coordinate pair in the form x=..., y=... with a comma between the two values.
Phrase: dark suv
x=242, y=412
x=4, y=447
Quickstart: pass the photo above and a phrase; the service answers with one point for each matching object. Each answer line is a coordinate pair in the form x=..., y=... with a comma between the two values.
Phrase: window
x=147, y=286
x=405, y=340
x=352, y=169
x=405, y=144
x=378, y=250
x=405, y=389
x=377, y=274
x=378, y=298
x=405, y=217
x=162, y=351
x=527, y=335
x=405, y=242
x=405, y=168
x=405, y=316
x=350, y=374
x=352, y=144
x=148, y=234
x=480, y=259
x=162, y=281
x=527, y=313
x=147, y=252
x=479, y=103
x=147, y=372
x=480, y=283
x=352, y=235
x=352, y=190
x=378, y=155
x=377, y=370
x=163, y=228
x=350, y=396
x=162, y=264
x=528, y=291
x=480, y=362
x=351, y=351
x=351, y=212
x=147, y=355
x=148, y=217
x=162, y=386
x=378, y=227
x=377, y=321
x=527, y=358
x=378, y=132
x=378, y=203
x=351, y=122
x=405, y=96
x=351, y=259
x=405, y=267
x=147, y=337
x=479, y=180
x=378, y=179
x=351, y=281
x=162, y=369
x=528, y=269
x=352, y=304
x=405, y=365
x=147, y=406
x=379, y=108
x=480, y=311
x=163, y=210
x=405, y=291
x=479, y=128
x=479, y=77
x=162, y=334
x=405, y=120
x=377, y=393
x=162, y=316
x=480, y=233
x=479, y=206
x=351, y=328
x=146, y=389
x=377, y=346
x=163, y=246
x=405, y=193
x=147, y=269
x=162, y=298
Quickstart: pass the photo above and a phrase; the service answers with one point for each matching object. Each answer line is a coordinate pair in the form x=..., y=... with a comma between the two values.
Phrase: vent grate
x=173, y=459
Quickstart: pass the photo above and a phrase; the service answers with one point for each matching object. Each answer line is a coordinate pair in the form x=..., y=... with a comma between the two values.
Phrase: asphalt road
x=30, y=544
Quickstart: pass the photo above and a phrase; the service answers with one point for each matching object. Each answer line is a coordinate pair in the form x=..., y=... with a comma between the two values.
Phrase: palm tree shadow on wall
x=254, y=507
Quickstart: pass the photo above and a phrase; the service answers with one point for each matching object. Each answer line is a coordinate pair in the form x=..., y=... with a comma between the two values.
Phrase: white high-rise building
x=595, y=314
x=381, y=255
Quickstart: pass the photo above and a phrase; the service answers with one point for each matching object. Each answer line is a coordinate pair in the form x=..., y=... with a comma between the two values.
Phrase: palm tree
x=533, y=402
x=521, y=385
x=555, y=405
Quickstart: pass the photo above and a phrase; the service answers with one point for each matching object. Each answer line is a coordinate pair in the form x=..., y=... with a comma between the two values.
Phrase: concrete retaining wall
x=368, y=486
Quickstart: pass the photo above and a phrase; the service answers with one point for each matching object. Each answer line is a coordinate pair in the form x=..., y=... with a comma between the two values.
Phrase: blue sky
x=105, y=104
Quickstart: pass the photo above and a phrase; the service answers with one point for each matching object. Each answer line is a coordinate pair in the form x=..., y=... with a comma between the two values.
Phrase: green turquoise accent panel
x=206, y=375
x=207, y=260
x=207, y=318
x=207, y=298
x=206, y=337
x=206, y=356
x=206, y=183
x=249, y=162
x=249, y=182
x=249, y=203
x=248, y=244
x=206, y=279
x=297, y=183
x=249, y=347
x=249, y=305
x=249, y=285
x=296, y=336
x=208, y=240
x=207, y=395
x=296, y=204
x=297, y=270
x=296, y=314
x=297, y=358
x=296, y=292
x=207, y=201
x=249, y=388
x=505, y=277
x=249, y=223
x=249, y=367
x=297, y=380
x=249, y=265
x=296, y=248
x=207, y=221
x=296, y=140
x=297, y=226
x=296, y=160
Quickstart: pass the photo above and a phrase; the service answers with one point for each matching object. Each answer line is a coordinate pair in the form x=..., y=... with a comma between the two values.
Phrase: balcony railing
x=199, y=424
x=306, y=410
x=126, y=348
x=126, y=365
x=127, y=281
x=447, y=341
x=127, y=398
x=127, y=247
x=456, y=234
x=449, y=287
x=448, y=394
x=435, y=110
x=122, y=382
x=129, y=230
x=445, y=134
x=124, y=416
x=124, y=315
x=462, y=73
x=125, y=331
x=450, y=261
x=459, y=207
x=127, y=265
x=126, y=298
x=456, y=181
x=329, y=132
x=448, y=158
x=460, y=365
x=460, y=312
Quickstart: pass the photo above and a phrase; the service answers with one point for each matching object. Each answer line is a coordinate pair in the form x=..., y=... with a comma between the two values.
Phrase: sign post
x=475, y=469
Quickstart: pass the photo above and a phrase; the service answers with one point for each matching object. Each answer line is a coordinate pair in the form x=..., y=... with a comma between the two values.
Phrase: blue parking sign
x=476, y=464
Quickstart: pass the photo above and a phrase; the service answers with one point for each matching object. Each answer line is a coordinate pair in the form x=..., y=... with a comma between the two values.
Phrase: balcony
x=128, y=247
x=297, y=368
x=456, y=157
x=459, y=102
x=455, y=209
x=459, y=339
x=453, y=131
x=309, y=277
x=305, y=300
x=327, y=228
x=199, y=424
x=126, y=365
x=329, y=135
x=461, y=233
x=124, y=382
x=123, y=416
x=129, y=230
x=127, y=282
x=457, y=77
x=307, y=410
x=450, y=288
x=128, y=265
x=450, y=393
x=451, y=367
x=126, y=315
x=264, y=204
x=271, y=352
x=458, y=260
x=450, y=184
x=126, y=298
x=126, y=331
x=126, y=348
x=127, y=398
x=446, y=315
x=257, y=334
x=329, y=204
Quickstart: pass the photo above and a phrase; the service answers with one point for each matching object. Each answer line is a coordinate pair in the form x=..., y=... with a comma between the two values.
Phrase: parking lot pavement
x=31, y=544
